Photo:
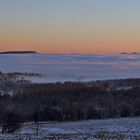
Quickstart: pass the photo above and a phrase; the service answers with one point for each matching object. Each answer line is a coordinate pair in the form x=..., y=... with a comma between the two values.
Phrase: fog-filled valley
x=75, y=67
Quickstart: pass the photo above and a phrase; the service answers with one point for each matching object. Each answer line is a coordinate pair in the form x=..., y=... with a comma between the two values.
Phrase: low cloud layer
x=73, y=67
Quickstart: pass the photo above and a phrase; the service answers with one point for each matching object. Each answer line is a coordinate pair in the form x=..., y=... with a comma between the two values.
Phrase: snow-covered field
x=111, y=129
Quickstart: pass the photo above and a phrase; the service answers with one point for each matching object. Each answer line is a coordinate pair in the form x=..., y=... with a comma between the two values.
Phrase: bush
x=11, y=121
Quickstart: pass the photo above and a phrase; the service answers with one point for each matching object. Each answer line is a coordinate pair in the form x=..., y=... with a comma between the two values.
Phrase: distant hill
x=130, y=53
x=17, y=52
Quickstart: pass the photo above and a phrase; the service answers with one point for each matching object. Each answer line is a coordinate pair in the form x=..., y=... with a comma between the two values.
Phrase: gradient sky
x=70, y=26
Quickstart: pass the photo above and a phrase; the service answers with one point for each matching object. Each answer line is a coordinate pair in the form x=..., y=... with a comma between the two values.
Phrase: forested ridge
x=71, y=101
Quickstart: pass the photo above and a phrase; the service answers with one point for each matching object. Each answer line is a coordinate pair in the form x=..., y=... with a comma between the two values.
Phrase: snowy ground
x=112, y=129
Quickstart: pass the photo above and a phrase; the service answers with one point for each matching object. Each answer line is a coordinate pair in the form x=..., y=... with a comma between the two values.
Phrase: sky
x=70, y=26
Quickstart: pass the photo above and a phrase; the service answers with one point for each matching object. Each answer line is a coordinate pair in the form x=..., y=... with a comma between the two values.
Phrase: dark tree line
x=70, y=102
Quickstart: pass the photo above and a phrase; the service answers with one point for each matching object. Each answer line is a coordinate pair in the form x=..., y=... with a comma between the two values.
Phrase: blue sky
x=96, y=19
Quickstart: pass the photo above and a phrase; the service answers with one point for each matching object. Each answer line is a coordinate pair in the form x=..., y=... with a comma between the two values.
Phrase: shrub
x=11, y=121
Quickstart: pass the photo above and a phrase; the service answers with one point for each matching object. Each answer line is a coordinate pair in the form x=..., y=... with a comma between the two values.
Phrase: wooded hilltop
x=71, y=101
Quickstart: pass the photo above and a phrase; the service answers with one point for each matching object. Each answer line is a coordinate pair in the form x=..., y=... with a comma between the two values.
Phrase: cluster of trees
x=68, y=102
x=118, y=83
x=10, y=119
x=23, y=74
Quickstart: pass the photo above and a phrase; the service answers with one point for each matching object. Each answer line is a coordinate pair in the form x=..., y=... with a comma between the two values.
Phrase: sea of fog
x=55, y=68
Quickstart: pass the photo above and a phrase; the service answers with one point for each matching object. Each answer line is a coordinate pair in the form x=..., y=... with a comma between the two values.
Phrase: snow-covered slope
x=114, y=129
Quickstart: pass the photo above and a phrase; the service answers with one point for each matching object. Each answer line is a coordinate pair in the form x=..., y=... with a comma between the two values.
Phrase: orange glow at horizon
x=83, y=48
x=82, y=42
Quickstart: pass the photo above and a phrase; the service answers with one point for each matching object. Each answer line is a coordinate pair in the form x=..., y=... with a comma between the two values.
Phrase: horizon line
x=59, y=53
